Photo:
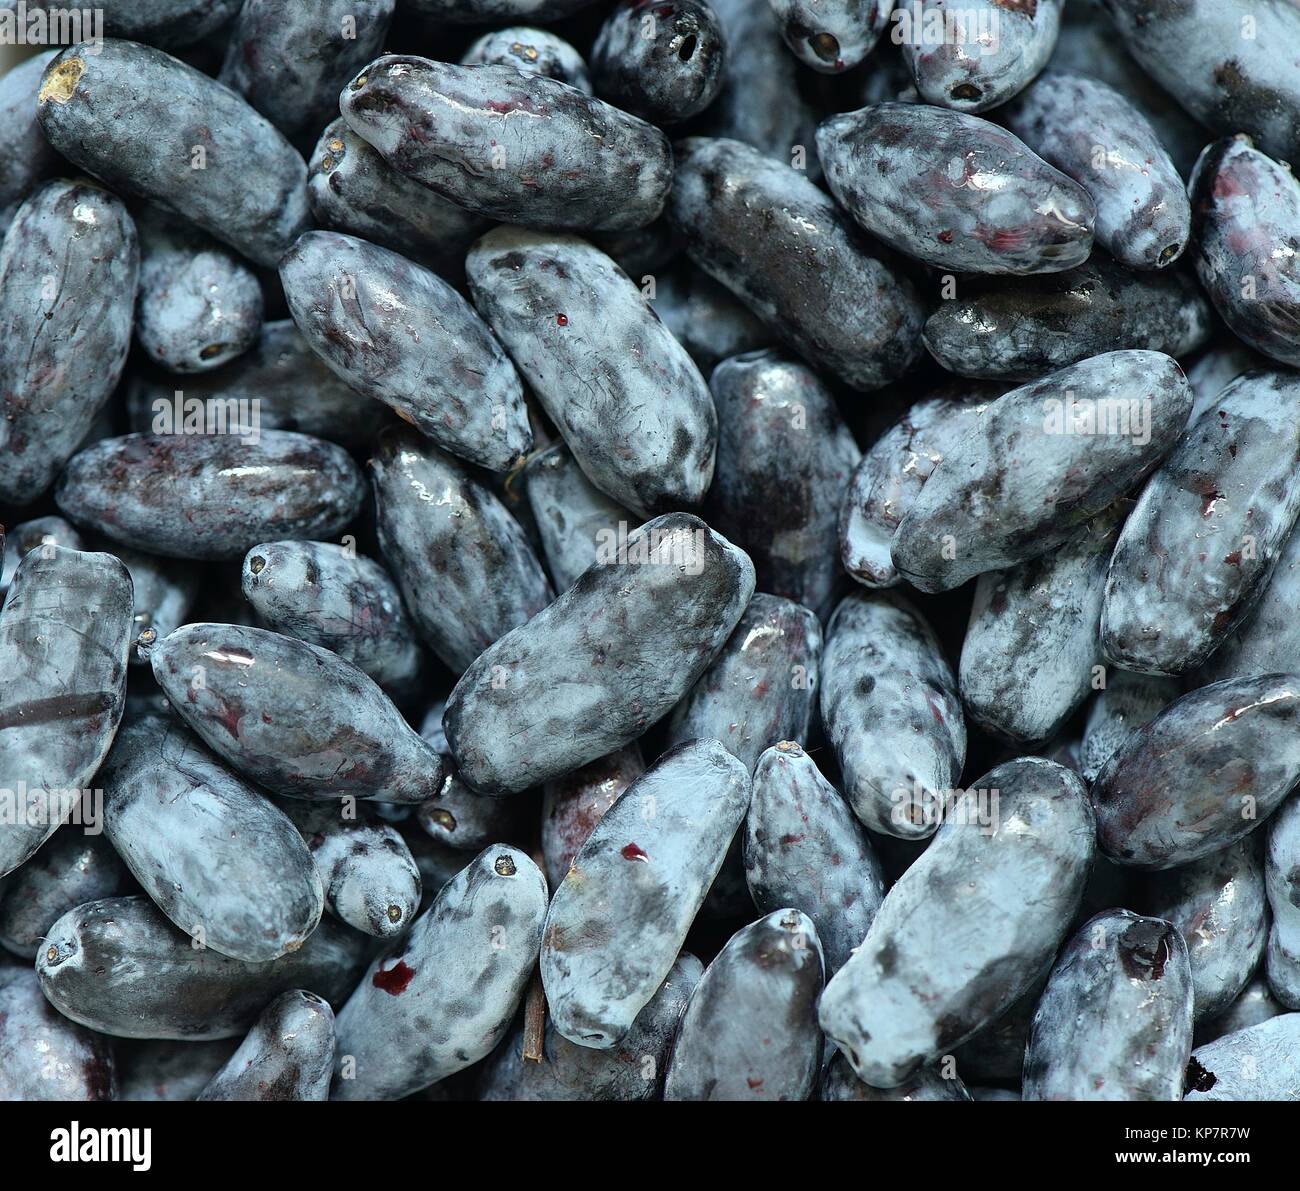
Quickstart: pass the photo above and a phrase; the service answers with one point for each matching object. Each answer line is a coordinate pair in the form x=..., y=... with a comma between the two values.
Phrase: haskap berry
x=650, y=550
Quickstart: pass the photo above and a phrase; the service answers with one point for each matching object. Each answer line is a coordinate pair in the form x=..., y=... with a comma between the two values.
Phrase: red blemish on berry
x=229, y=719
x=394, y=981
x=562, y=320
x=1208, y=501
x=791, y=839
x=1004, y=241
x=1226, y=186
x=935, y=709
x=1233, y=559
x=945, y=237
x=632, y=852
x=754, y=1083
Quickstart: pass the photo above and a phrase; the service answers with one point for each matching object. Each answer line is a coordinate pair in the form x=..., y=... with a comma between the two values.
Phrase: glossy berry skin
x=354, y=190
x=842, y=309
x=955, y=191
x=295, y=718
x=573, y=804
x=443, y=997
x=1218, y=905
x=632, y=1071
x=1199, y=52
x=571, y=514
x=1021, y=328
x=803, y=848
x=750, y=1030
x=591, y=672
x=1246, y=219
x=660, y=61
x=292, y=386
x=26, y=158
x=1207, y=530
x=926, y=1084
x=618, y=919
x=974, y=75
x=892, y=471
x=370, y=878
x=1261, y=1062
x=762, y=687
x=64, y=637
x=43, y=1055
x=1202, y=774
x=1282, y=879
x=210, y=496
x=643, y=429
x=930, y=974
x=1115, y=1020
x=289, y=61
x=396, y=332
x=534, y=51
x=890, y=710
x=68, y=272
x=120, y=967
x=73, y=868
x=123, y=113
x=1126, y=703
x=214, y=854
x=330, y=596
x=576, y=162
x=1044, y=614
x=463, y=562
x=287, y=1055
x=831, y=36
x=1079, y=438
x=785, y=457
x=200, y=306
x=1092, y=133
